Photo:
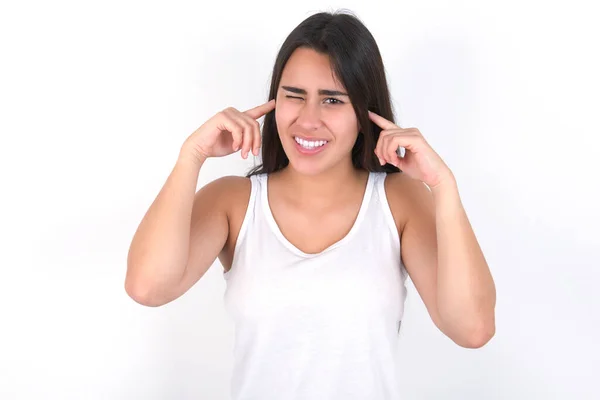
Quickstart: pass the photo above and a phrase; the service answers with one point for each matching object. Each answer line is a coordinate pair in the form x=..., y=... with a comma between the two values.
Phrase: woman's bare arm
x=160, y=249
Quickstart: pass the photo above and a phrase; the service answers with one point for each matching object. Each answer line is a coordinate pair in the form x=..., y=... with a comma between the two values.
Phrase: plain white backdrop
x=96, y=99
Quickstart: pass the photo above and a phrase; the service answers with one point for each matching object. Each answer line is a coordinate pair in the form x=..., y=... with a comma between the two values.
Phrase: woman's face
x=316, y=122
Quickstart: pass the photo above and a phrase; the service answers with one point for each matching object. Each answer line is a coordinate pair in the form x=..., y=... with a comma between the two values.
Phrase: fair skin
x=316, y=199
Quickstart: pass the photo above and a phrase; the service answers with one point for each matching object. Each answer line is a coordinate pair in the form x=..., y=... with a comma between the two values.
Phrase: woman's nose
x=309, y=117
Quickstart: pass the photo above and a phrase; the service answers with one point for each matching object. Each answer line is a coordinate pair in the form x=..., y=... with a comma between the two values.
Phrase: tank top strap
x=249, y=217
x=256, y=181
x=388, y=217
x=383, y=201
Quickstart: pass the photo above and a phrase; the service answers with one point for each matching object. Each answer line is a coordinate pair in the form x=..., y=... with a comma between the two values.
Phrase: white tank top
x=316, y=326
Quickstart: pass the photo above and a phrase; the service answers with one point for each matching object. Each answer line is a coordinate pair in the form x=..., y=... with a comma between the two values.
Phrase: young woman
x=318, y=240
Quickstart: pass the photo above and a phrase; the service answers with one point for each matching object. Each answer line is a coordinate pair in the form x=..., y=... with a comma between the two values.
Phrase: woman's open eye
x=334, y=99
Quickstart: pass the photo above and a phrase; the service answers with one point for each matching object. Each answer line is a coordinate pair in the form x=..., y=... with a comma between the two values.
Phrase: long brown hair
x=357, y=63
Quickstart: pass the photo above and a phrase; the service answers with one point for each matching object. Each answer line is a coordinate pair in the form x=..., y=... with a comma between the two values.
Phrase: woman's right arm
x=159, y=251
x=159, y=268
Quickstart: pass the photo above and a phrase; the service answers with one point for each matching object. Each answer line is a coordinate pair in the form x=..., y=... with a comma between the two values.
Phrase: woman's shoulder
x=403, y=193
x=231, y=183
x=235, y=184
x=403, y=186
x=231, y=191
x=237, y=188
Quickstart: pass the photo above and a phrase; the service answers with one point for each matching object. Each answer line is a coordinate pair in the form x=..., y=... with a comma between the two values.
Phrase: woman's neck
x=322, y=190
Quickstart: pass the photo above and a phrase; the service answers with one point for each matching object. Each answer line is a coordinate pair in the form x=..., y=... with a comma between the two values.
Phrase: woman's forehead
x=311, y=71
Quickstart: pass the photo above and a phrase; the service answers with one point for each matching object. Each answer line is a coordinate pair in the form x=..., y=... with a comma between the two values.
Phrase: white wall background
x=96, y=99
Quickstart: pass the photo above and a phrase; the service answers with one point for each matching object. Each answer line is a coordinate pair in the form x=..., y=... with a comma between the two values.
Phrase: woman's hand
x=420, y=161
x=228, y=131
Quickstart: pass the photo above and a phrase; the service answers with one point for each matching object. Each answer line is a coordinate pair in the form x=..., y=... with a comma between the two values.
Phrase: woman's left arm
x=466, y=294
x=439, y=248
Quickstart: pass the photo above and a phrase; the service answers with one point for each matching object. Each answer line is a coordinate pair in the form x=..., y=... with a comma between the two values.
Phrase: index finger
x=382, y=122
x=261, y=110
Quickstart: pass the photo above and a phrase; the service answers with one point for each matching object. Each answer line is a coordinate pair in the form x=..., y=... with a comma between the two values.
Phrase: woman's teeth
x=310, y=144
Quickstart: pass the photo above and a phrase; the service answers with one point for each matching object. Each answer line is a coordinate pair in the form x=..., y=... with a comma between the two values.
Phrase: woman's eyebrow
x=326, y=92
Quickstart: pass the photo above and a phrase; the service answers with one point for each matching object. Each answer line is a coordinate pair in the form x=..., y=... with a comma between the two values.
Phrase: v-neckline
x=277, y=231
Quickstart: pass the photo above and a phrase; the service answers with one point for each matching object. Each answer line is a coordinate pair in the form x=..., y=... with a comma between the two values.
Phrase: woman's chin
x=307, y=168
